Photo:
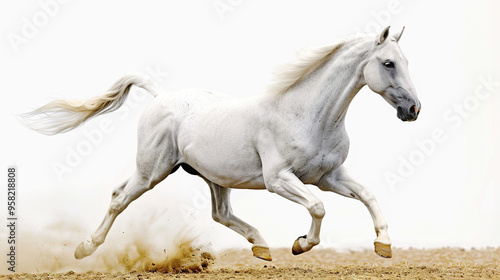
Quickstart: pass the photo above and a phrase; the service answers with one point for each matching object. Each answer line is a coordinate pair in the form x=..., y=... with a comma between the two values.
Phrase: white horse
x=284, y=141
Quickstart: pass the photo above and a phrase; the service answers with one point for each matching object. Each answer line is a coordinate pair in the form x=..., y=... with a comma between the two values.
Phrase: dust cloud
x=150, y=246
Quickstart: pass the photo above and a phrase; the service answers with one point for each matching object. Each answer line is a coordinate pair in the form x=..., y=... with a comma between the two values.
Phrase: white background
x=449, y=196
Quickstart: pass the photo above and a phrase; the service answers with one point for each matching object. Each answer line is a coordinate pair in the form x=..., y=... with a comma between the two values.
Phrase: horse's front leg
x=286, y=184
x=339, y=182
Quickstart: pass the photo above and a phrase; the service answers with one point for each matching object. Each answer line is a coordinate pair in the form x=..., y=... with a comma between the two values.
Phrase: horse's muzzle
x=408, y=114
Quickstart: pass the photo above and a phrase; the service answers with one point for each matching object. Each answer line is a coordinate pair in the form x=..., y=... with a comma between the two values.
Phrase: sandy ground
x=445, y=263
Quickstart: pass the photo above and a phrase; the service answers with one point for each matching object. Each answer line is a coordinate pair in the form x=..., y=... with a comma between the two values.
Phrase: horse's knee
x=317, y=209
x=217, y=218
x=220, y=218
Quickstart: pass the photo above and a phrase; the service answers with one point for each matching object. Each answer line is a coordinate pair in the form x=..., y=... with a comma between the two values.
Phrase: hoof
x=83, y=250
x=383, y=250
x=262, y=253
x=296, y=248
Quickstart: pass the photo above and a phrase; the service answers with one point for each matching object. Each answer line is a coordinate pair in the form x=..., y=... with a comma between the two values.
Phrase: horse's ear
x=398, y=35
x=383, y=35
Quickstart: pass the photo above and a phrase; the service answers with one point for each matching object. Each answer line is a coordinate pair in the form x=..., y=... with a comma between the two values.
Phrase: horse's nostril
x=413, y=110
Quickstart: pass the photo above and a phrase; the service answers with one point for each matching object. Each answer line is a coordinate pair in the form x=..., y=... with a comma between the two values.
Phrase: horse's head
x=386, y=73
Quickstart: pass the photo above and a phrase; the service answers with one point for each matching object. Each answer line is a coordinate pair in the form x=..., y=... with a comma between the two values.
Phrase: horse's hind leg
x=223, y=213
x=121, y=198
x=156, y=158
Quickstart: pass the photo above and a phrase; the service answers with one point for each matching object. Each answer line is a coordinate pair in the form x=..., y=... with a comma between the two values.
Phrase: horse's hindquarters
x=212, y=133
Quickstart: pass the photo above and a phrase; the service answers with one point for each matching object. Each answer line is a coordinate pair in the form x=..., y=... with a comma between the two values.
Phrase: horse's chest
x=322, y=160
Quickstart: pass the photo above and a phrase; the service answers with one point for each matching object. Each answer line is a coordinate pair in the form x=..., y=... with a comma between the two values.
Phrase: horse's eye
x=389, y=64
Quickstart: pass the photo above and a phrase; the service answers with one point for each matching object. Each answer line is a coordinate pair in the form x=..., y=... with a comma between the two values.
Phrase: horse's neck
x=323, y=97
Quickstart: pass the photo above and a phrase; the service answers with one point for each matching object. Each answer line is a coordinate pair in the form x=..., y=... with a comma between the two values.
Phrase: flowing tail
x=63, y=115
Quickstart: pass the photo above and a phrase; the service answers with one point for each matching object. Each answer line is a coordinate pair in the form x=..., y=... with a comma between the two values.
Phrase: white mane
x=306, y=61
